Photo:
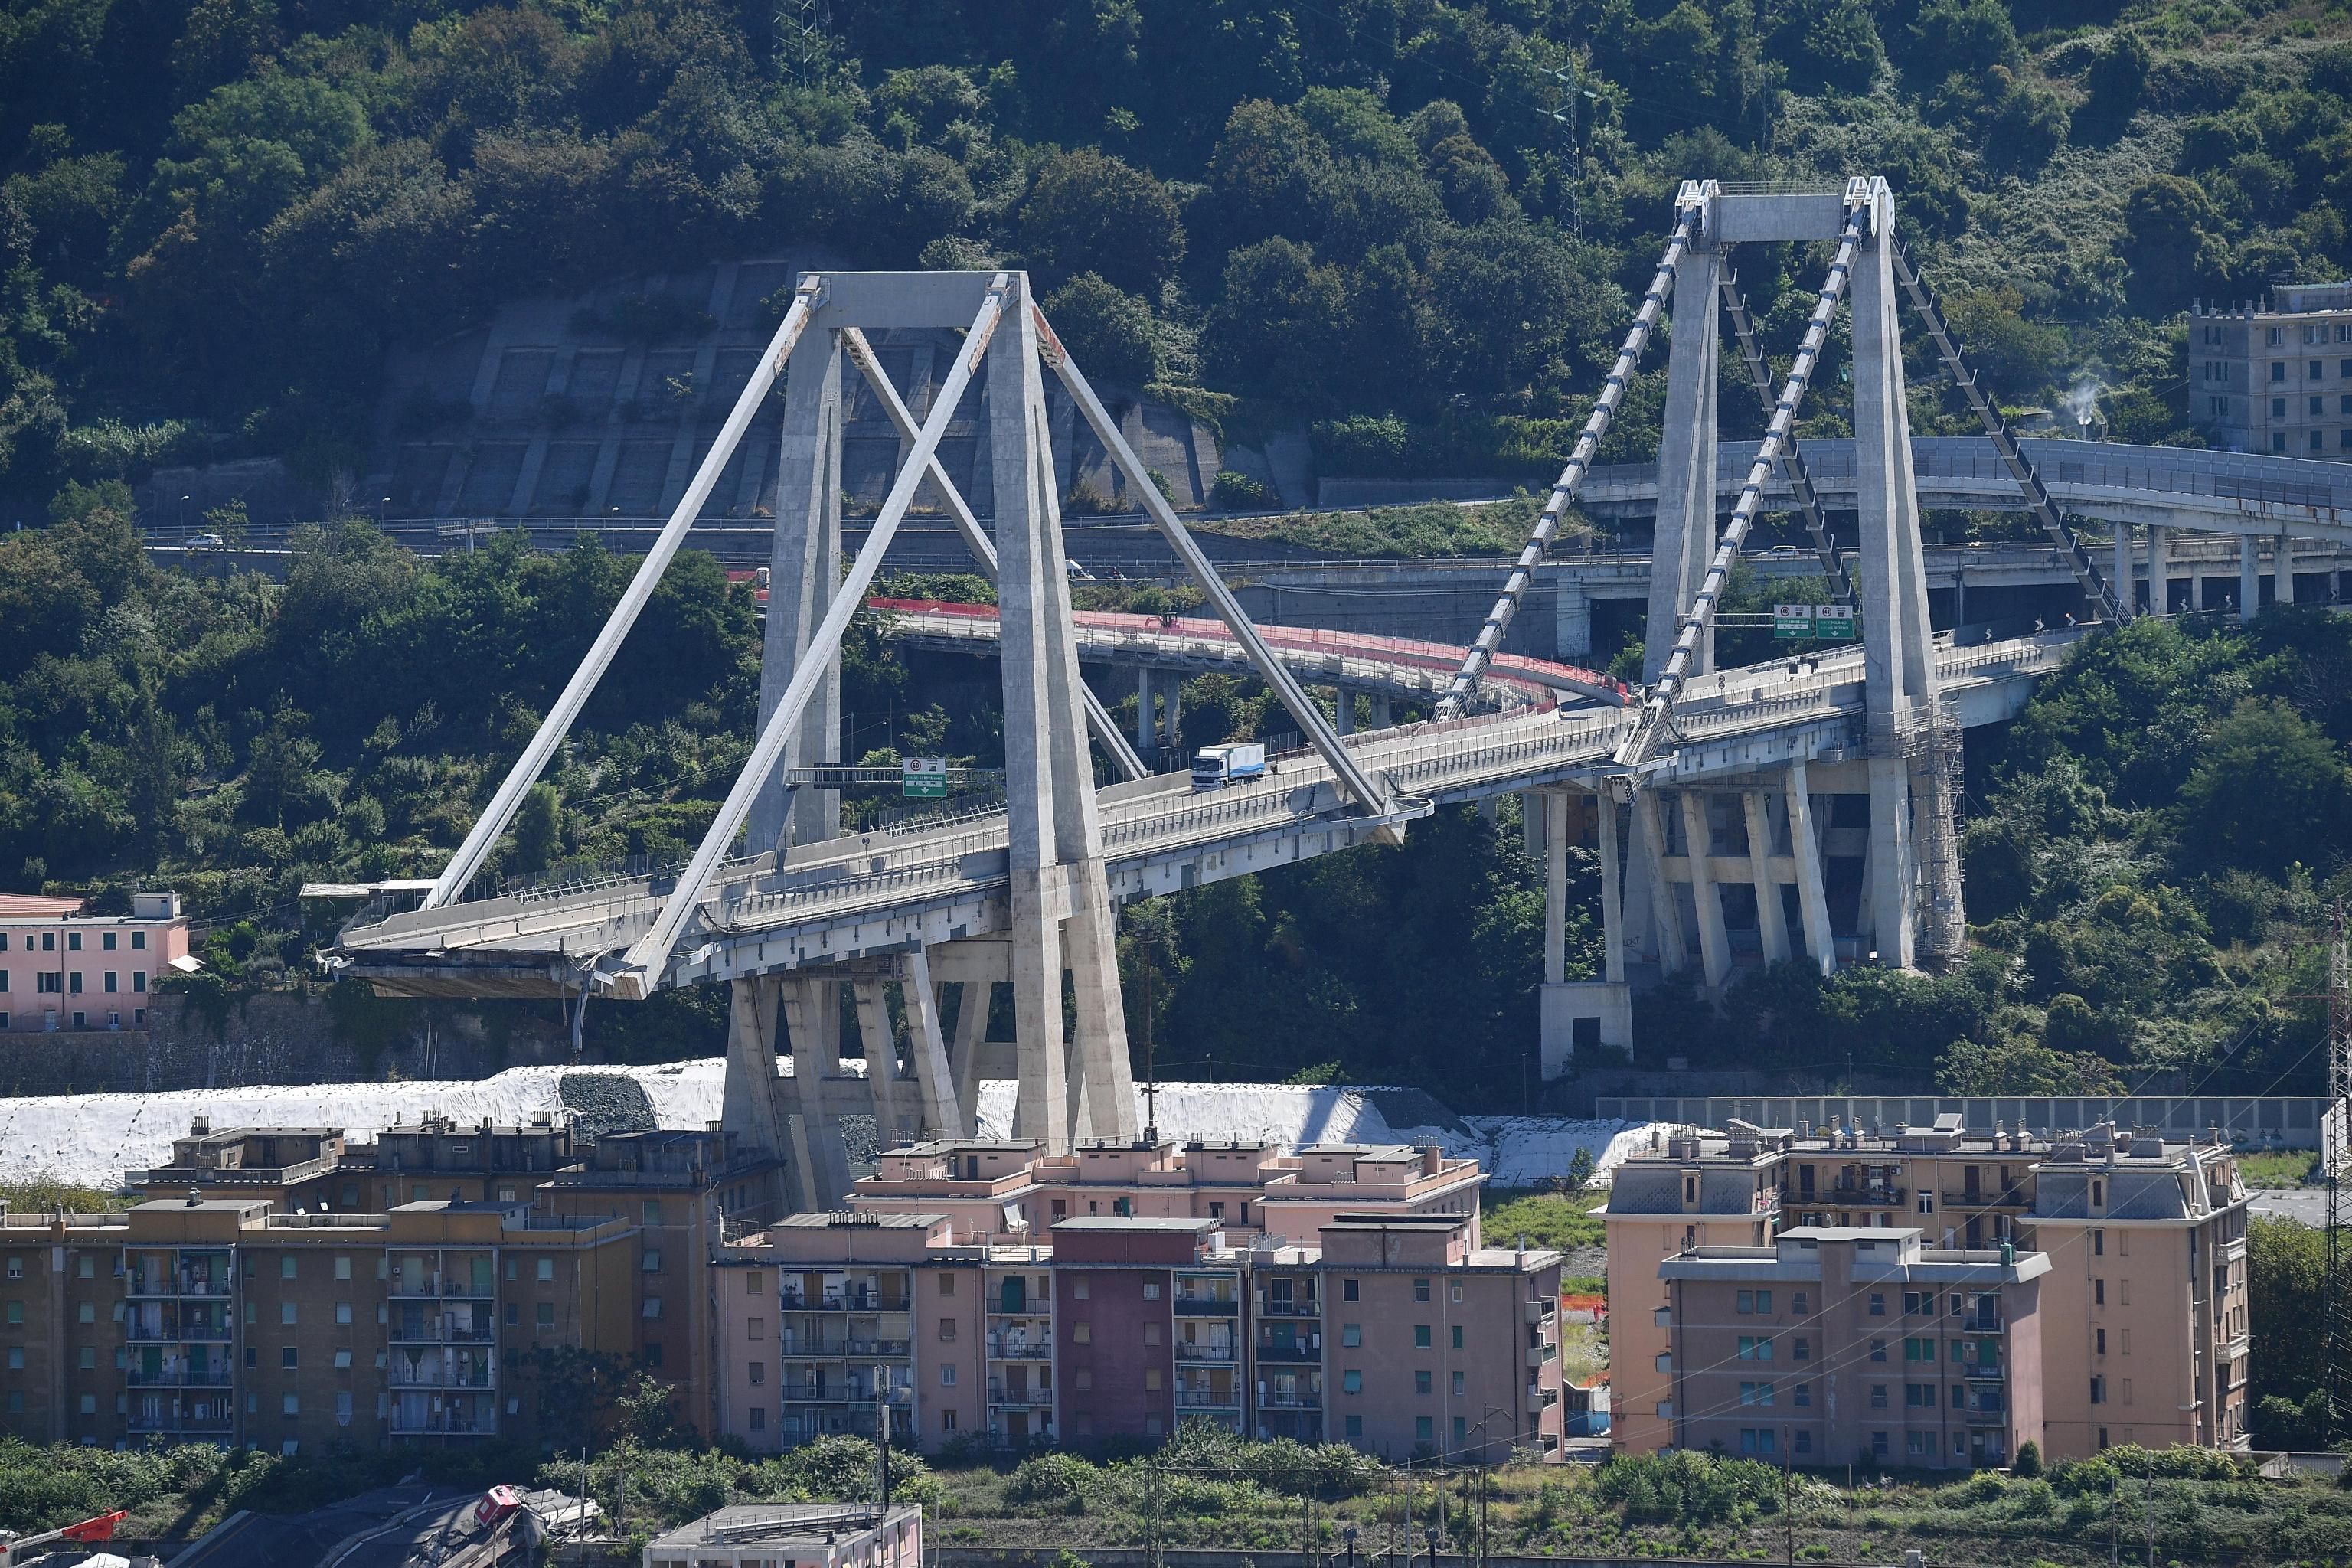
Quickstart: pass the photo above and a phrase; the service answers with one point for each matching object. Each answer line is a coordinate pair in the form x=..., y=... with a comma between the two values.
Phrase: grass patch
x=2285, y=1168
x=1564, y=1221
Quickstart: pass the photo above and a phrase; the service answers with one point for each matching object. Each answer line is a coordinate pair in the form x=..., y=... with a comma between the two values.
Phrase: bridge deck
x=873, y=892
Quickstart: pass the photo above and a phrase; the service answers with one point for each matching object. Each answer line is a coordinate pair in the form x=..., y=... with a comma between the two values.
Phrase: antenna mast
x=2336, y=1152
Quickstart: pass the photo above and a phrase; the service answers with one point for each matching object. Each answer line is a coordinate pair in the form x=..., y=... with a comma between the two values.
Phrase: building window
x=1878, y=1303
x=1420, y=1381
x=1152, y=1290
x=1878, y=1396
x=1797, y=1302
x=1878, y=1350
x=1346, y=1290
x=651, y=1212
x=2098, y=1292
x=1804, y=1442
x=947, y=1286
x=1755, y=1347
x=1421, y=1290
x=1755, y=1393
x=2278, y=407
x=1082, y=1333
x=1355, y=1427
x=2098, y=1390
x=2278, y=441
x=651, y=1263
x=138, y=942
x=1351, y=1334
x=1460, y=1385
x=1424, y=1428
x=946, y=1374
x=1919, y=1350
x=73, y=941
x=285, y=1311
x=291, y=1404
x=759, y=1414
x=1351, y=1382
x=286, y=1357
x=1421, y=1336
x=343, y=1313
x=1756, y=1439
x=1803, y=1397
x=1457, y=1336
x=110, y=982
x=546, y=1315
x=1804, y=1349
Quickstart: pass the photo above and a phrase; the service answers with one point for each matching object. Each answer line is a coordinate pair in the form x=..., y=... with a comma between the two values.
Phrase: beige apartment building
x=1838, y=1344
x=218, y=1320
x=62, y=967
x=2076, y=1202
x=2277, y=379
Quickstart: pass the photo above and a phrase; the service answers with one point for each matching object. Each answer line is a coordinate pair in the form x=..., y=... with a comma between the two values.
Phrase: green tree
x=1092, y=212
x=1275, y=293
x=539, y=829
x=2268, y=792
x=1108, y=331
x=2172, y=238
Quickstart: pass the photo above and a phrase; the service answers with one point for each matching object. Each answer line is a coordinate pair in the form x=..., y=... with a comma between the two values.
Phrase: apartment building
x=2146, y=1291
x=220, y=1320
x=796, y=1535
x=2277, y=379
x=2077, y=1201
x=319, y=1170
x=1121, y=1327
x=62, y=967
x=1845, y=1344
x=1437, y=1345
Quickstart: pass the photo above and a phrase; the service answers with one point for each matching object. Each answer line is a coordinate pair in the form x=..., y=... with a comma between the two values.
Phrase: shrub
x=1239, y=492
x=1054, y=1482
x=2028, y=1463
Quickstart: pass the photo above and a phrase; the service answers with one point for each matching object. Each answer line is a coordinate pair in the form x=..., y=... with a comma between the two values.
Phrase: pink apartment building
x=61, y=968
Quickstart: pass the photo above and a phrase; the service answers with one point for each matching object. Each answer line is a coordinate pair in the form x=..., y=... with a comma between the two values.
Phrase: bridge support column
x=1812, y=893
x=2250, y=576
x=2283, y=570
x=1685, y=537
x=1771, y=920
x=1172, y=695
x=1898, y=650
x=1571, y=620
x=1553, y=806
x=1713, y=942
x=1384, y=715
x=803, y=571
x=2123, y=572
x=1145, y=719
x=1344, y=705
x=1665, y=918
x=750, y=1105
x=1060, y=903
x=1613, y=899
x=942, y=1118
x=2159, y=572
x=810, y=1011
x=881, y=1049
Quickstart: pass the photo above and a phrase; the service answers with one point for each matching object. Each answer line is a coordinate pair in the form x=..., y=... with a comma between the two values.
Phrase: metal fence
x=2287, y=1121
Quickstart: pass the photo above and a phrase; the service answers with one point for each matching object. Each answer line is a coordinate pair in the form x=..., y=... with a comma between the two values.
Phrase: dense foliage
x=1414, y=222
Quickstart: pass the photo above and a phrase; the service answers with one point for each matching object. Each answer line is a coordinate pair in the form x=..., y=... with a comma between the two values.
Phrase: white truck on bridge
x=1217, y=766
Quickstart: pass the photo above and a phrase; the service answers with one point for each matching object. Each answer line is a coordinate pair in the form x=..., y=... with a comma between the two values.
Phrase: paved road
x=2308, y=1204
x=375, y=1530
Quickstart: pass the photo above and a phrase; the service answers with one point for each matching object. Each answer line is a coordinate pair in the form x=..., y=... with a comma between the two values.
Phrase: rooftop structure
x=804, y=1535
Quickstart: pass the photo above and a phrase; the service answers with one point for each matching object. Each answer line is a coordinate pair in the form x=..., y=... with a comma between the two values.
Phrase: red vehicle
x=98, y=1529
x=496, y=1506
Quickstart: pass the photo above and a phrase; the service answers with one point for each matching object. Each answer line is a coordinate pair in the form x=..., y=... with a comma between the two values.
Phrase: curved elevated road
x=881, y=892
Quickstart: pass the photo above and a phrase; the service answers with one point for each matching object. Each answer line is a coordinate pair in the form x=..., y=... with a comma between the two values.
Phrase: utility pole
x=882, y=1432
x=2336, y=1133
x=1788, y=1515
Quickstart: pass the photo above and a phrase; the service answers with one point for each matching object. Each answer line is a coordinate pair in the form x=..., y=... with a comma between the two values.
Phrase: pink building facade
x=61, y=968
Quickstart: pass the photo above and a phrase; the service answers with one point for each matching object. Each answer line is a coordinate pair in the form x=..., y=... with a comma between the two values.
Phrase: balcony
x=177, y=1334
x=442, y=1287
x=170, y=1375
x=1984, y=1371
x=802, y=1349
x=138, y=1282
x=443, y=1424
x=1187, y=1350
x=1003, y=1347
x=1206, y=1306
x=1289, y=1355
x=1538, y=1354
x=1980, y=1325
x=852, y=1390
x=1535, y=1314
x=1861, y=1197
x=1540, y=1396
x=206, y=1423
x=1303, y=1399
x=2009, y=1199
x=1277, y=1308
x=858, y=1300
x=1208, y=1399
x=1020, y=1398
x=435, y=1373
x=441, y=1331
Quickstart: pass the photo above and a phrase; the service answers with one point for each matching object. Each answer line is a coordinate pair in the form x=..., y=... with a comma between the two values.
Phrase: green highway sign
x=923, y=778
x=1835, y=621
